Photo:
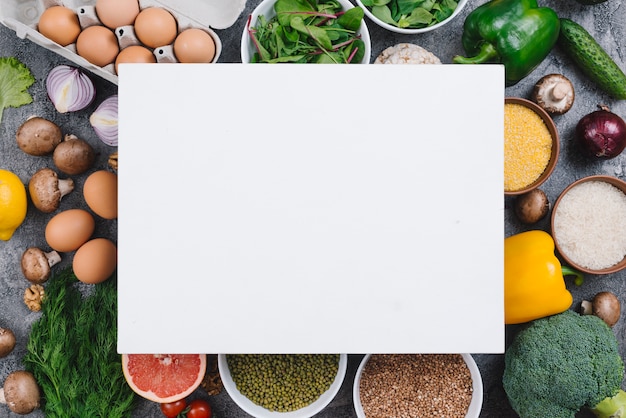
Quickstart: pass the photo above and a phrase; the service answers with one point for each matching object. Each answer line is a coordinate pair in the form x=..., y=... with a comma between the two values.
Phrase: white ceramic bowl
x=266, y=8
x=259, y=412
x=408, y=31
x=476, y=403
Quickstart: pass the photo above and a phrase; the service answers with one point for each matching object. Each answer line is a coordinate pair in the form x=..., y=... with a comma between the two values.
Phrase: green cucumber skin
x=592, y=59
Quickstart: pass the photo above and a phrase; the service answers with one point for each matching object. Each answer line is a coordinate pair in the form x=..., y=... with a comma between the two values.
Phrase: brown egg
x=194, y=45
x=95, y=261
x=68, y=230
x=59, y=24
x=100, y=193
x=155, y=27
x=135, y=53
x=116, y=13
x=98, y=45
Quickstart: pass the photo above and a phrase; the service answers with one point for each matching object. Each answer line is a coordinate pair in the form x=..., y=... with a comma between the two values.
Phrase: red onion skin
x=602, y=134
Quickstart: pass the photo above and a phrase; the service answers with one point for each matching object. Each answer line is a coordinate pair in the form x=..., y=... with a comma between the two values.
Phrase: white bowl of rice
x=589, y=224
x=388, y=385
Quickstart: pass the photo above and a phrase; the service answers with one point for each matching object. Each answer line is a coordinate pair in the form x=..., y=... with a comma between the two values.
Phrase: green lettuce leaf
x=15, y=79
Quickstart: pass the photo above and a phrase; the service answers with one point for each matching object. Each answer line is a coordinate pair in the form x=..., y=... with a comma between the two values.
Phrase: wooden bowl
x=547, y=119
x=621, y=185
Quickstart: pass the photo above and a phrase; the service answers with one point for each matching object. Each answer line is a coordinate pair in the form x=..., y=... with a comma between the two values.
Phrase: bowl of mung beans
x=418, y=386
x=531, y=146
x=588, y=224
x=282, y=385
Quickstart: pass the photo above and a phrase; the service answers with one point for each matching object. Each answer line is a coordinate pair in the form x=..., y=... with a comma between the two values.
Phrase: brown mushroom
x=7, y=342
x=73, y=155
x=38, y=136
x=46, y=189
x=37, y=264
x=531, y=207
x=604, y=305
x=554, y=93
x=21, y=392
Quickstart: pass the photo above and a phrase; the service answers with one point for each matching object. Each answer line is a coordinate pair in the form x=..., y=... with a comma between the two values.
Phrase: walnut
x=113, y=160
x=212, y=382
x=33, y=296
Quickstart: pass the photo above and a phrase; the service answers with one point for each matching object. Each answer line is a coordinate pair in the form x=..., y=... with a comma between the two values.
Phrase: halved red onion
x=104, y=121
x=69, y=88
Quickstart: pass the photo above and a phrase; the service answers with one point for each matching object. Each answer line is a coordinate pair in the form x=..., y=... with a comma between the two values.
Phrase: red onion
x=602, y=133
x=104, y=121
x=69, y=88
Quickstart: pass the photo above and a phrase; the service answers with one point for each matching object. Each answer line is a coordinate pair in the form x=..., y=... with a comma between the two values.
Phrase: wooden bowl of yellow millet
x=531, y=146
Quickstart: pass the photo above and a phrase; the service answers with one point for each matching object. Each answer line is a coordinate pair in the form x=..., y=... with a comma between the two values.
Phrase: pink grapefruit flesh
x=164, y=378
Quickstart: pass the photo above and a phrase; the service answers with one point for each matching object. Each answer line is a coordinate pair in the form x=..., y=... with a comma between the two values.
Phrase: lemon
x=12, y=204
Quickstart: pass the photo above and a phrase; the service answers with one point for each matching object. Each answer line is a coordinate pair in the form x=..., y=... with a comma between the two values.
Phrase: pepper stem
x=486, y=53
x=568, y=271
x=611, y=407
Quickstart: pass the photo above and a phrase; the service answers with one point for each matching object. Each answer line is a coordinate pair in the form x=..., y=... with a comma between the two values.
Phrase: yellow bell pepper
x=533, y=278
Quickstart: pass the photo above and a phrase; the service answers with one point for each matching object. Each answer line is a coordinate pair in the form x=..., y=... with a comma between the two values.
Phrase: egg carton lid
x=22, y=17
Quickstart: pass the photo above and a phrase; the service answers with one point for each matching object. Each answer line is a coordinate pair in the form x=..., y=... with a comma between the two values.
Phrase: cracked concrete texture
x=605, y=21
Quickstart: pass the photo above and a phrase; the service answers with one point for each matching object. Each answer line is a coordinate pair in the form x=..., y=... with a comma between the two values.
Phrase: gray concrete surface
x=605, y=21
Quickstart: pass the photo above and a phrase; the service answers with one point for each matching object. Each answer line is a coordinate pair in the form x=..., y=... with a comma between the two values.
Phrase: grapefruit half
x=164, y=378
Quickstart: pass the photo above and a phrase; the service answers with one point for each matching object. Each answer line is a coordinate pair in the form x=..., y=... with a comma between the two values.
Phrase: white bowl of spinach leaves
x=306, y=31
x=411, y=16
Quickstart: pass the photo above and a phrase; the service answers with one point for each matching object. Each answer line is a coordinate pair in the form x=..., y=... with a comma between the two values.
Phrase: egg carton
x=22, y=17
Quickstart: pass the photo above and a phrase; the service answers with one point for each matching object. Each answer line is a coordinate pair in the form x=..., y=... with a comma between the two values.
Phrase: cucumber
x=592, y=59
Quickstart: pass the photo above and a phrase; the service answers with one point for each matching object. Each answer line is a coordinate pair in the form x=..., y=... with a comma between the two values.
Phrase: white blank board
x=311, y=208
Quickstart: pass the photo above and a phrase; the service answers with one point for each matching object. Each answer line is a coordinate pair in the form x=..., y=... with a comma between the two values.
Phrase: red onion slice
x=104, y=121
x=69, y=88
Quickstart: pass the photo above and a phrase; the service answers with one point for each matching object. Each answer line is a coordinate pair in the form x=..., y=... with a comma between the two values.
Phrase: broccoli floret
x=562, y=363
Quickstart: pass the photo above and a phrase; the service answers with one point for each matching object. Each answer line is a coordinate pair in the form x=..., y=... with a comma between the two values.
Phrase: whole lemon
x=12, y=204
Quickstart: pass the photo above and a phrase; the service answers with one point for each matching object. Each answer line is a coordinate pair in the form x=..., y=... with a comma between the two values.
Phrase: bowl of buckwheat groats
x=418, y=385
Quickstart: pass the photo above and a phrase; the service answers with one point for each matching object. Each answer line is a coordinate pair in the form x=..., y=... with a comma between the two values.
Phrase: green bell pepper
x=515, y=33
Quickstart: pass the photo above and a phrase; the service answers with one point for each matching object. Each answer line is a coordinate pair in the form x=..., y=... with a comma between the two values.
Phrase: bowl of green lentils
x=282, y=385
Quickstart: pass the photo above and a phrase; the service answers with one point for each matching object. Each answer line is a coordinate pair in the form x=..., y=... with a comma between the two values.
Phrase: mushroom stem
x=53, y=257
x=65, y=187
x=559, y=91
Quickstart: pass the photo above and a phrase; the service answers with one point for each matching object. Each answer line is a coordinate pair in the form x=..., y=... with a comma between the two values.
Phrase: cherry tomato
x=199, y=408
x=172, y=409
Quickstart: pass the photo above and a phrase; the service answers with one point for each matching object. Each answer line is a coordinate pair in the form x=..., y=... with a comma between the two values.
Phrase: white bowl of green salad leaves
x=413, y=16
x=306, y=31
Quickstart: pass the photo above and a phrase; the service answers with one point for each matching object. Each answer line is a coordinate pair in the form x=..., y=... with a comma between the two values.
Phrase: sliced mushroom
x=46, y=189
x=21, y=392
x=73, y=155
x=554, y=93
x=604, y=305
x=38, y=136
x=37, y=264
x=7, y=342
